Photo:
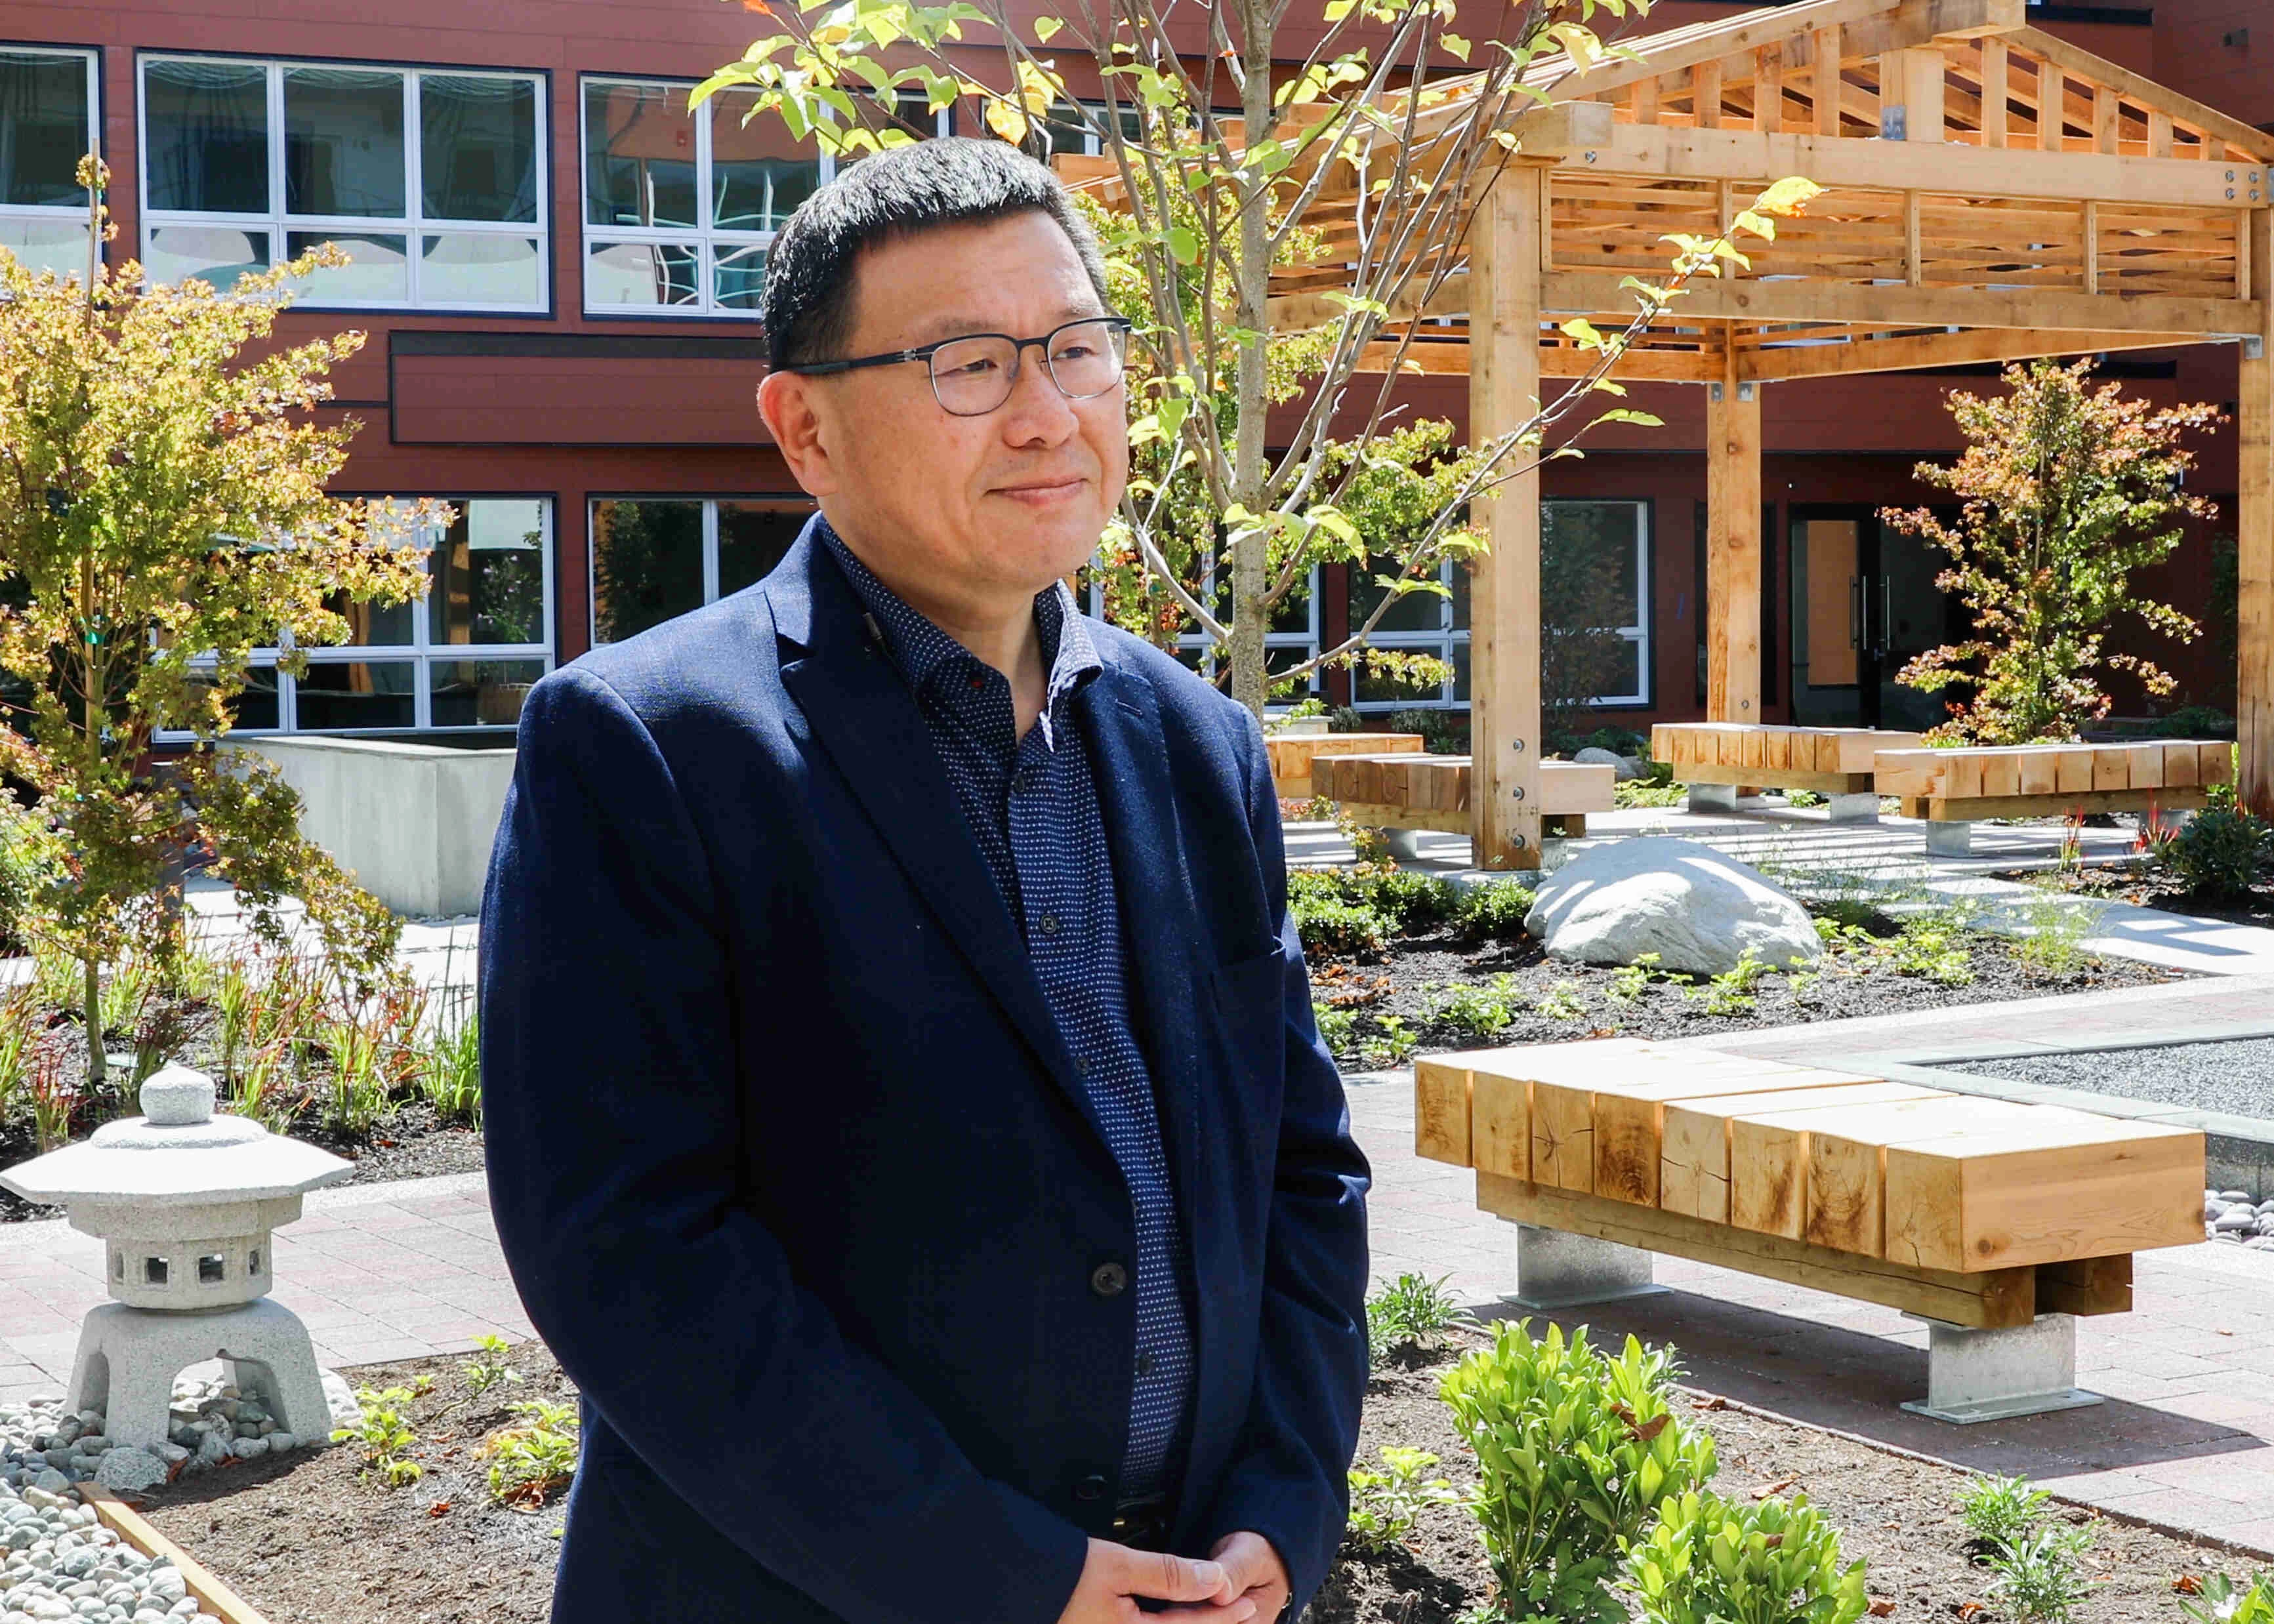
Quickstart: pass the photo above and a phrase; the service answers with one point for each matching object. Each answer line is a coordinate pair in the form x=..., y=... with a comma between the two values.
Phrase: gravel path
x=2236, y=1076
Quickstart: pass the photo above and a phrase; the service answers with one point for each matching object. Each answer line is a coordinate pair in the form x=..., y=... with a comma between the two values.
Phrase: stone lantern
x=184, y=1201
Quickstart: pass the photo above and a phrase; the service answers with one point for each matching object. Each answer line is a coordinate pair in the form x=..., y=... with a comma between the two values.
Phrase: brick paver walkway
x=395, y=1271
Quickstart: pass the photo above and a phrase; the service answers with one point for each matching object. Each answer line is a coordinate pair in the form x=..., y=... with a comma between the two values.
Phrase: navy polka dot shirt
x=1032, y=805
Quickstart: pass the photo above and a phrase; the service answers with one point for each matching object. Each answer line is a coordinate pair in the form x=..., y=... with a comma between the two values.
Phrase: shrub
x=1444, y=733
x=1361, y=909
x=533, y=1459
x=1707, y=1560
x=1477, y=1012
x=2219, y=853
x=1575, y=1450
x=1493, y=911
x=1415, y=901
x=1385, y=1505
x=2038, y=1578
x=2193, y=722
x=1413, y=1314
x=1998, y=1511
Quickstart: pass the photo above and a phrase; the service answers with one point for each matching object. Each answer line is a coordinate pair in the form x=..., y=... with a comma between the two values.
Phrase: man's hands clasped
x=1242, y=1583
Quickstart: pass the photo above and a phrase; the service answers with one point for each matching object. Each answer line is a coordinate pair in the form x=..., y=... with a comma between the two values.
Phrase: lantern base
x=128, y=1358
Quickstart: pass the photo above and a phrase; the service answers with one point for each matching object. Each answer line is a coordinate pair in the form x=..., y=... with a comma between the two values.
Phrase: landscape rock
x=2233, y=1222
x=127, y=1470
x=1624, y=767
x=1695, y=908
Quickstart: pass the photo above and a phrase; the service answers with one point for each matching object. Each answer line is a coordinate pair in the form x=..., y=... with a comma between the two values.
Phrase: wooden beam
x=1673, y=152
x=1972, y=347
x=1824, y=79
x=1991, y=1298
x=1679, y=49
x=1768, y=89
x=1504, y=799
x=2066, y=57
x=1596, y=292
x=1706, y=95
x=1910, y=95
x=1922, y=22
x=2254, y=531
x=2091, y=246
x=1733, y=548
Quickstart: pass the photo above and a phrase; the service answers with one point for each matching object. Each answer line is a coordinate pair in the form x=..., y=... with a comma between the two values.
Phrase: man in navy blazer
x=905, y=1121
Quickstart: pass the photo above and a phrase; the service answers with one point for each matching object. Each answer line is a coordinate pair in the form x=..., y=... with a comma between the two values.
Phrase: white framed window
x=1598, y=548
x=431, y=180
x=462, y=656
x=1292, y=638
x=655, y=558
x=47, y=123
x=681, y=204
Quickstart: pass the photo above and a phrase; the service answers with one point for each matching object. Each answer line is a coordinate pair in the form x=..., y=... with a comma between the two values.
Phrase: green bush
x=1575, y=1450
x=28, y=866
x=1412, y=1315
x=1361, y=910
x=1385, y=1505
x=2038, y=1578
x=2192, y=722
x=2219, y=853
x=1998, y=1511
x=1707, y=1560
x=2224, y=1602
x=1493, y=911
x=1444, y=733
x=1329, y=924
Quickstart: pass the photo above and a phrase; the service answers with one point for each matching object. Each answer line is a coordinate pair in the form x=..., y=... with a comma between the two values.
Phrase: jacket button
x=1108, y=1279
x=1092, y=1487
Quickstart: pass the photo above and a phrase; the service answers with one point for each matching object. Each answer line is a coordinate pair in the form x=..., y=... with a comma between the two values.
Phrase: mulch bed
x=307, y=1537
x=2150, y=890
x=1406, y=982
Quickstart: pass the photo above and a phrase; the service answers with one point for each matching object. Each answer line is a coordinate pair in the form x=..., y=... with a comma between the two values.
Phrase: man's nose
x=1037, y=413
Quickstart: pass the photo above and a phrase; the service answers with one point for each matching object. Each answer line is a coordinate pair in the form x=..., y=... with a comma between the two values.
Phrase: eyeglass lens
x=973, y=376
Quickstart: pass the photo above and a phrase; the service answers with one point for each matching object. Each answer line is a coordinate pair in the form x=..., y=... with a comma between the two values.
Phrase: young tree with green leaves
x=163, y=512
x=2066, y=490
x=1390, y=111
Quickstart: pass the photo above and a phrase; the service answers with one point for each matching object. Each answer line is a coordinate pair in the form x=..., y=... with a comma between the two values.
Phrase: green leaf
x=1455, y=44
x=1046, y=26
x=1183, y=244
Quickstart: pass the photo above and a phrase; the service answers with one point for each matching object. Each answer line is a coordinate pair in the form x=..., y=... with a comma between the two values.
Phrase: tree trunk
x=93, y=1021
x=1250, y=558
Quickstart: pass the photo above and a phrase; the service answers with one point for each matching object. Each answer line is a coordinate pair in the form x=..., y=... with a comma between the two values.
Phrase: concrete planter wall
x=414, y=822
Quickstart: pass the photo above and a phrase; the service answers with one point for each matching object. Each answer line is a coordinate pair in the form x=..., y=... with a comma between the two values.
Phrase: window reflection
x=365, y=694
x=206, y=136
x=343, y=143
x=488, y=576
x=44, y=105
x=478, y=147
x=647, y=564
x=639, y=156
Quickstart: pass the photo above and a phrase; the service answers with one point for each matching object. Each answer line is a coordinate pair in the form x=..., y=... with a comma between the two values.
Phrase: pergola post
x=1504, y=253
x=2254, y=535
x=1733, y=547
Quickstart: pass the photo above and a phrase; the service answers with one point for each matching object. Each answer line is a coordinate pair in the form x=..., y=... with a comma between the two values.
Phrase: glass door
x=1864, y=604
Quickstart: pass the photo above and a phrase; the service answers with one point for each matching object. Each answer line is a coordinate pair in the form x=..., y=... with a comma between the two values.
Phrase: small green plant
x=2222, y=1601
x=2037, y=1575
x=1562, y=1002
x=1493, y=912
x=1337, y=1027
x=1933, y=944
x=1385, y=1505
x=55, y=1092
x=2057, y=931
x=1655, y=788
x=383, y=1434
x=1707, y=1560
x=529, y=1461
x=1575, y=1451
x=486, y=1367
x=21, y=1022
x=1629, y=980
x=1478, y=1011
x=448, y=1061
x=1802, y=798
x=233, y=997
x=1998, y=1511
x=1731, y=992
x=1329, y=922
x=358, y=1092
x=1412, y=1315
x=1800, y=979
x=2219, y=854
x=1393, y=1042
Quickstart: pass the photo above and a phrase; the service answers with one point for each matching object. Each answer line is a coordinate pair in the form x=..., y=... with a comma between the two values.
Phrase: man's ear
x=791, y=409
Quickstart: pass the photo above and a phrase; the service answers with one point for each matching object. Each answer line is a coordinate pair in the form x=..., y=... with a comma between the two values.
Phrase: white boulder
x=1694, y=907
x=1622, y=767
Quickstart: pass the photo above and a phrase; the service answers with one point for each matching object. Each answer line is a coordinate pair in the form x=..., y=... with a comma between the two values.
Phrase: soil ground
x=309, y=1539
x=2148, y=890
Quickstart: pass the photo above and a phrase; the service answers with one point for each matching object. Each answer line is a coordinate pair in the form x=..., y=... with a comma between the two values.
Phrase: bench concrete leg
x=1713, y=798
x=1557, y=1269
x=1404, y=844
x=2024, y=1370
x=1950, y=839
x=1854, y=808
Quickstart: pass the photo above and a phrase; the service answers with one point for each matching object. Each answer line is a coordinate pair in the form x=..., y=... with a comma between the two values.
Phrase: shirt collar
x=925, y=654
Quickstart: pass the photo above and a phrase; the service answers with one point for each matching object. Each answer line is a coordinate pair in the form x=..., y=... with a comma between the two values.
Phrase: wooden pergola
x=1992, y=193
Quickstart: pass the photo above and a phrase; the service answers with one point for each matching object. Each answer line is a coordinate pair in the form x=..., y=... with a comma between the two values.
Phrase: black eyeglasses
x=973, y=375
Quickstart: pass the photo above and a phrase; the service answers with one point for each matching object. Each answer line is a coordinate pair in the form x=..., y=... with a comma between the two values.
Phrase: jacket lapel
x=862, y=714
x=1122, y=718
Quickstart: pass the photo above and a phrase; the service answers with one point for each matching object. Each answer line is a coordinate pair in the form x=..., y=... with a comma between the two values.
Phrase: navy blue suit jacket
x=794, y=1170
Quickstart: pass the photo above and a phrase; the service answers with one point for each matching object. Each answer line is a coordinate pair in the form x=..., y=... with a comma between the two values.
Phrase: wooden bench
x=1834, y=762
x=1432, y=791
x=1953, y=789
x=1979, y=1216
x=1293, y=754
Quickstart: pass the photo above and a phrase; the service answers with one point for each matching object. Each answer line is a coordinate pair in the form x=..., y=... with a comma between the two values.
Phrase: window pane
x=738, y=278
x=758, y=174
x=379, y=272
x=752, y=539
x=479, y=268
x=479, y=693
x=343, y=143
x=57, y=246
x=639, y=156
x=1418, y=611
x=489, y=577
x=358, y=694
x=374, y=625
x=215, y=254
x=207, y=136
x=256, y=705
x=478, y=147
x=43, y=112
x=1588, y=550
x=1370, y=688
x=642, y=274
x=647, y=564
